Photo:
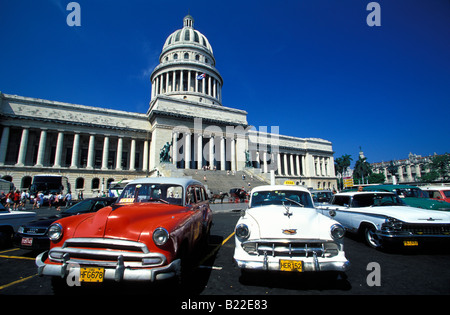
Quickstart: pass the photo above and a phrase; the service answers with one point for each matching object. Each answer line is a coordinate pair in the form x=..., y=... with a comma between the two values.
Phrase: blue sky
x=312, y=67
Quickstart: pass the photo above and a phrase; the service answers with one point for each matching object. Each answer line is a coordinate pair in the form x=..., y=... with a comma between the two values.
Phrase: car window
x=281, y=197
x=375, y=200
x=447, y=193
x=341, y=201
x=82, y=206
x=165, y=193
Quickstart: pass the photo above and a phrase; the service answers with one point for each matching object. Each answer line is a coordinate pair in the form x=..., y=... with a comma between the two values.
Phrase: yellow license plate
x=90, y=274
x=410, y=243
x=291, y=265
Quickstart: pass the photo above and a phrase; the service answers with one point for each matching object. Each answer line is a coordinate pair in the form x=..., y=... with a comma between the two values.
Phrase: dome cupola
x=187, y=67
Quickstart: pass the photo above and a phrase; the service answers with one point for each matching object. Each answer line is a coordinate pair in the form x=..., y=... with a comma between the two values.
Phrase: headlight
x=55, y=232
x=391, y=225
x=337, y=231
x=242, y=232
x=160, y=236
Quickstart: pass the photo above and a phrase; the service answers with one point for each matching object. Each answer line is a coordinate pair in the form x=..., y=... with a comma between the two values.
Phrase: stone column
x=189, y=81
x=132, y=155
x=280, y=171
x=211, y=152
x=187, y=150
x=285, y=160
x=91, y=153
x=199, y=151
x=222, y=153
x=233, y=154
x=265, y=169
x=41, y=149
x=297, y=162
x=75, y=150
x=59, y=148
x=105, y=153
x=119, y=154
x=23, y=147
x=4, y=145
x=145, y=156
x=175, y=148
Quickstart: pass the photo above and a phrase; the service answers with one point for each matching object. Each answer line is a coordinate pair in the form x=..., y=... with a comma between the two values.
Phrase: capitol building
x=186, y=128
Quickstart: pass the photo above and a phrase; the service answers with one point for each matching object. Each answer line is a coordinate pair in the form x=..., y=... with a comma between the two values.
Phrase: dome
x=187, y=36
x=187, y=68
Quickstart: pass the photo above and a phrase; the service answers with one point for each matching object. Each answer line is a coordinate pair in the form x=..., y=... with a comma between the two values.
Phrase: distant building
x=408, y=170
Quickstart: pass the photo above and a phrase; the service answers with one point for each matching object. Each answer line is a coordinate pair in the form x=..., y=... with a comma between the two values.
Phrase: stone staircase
x=221, y=181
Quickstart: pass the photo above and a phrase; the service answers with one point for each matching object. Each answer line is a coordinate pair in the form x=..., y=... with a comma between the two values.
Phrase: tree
x=441, y=165
x=377, y=178
x=342, y=164
x=362, y=169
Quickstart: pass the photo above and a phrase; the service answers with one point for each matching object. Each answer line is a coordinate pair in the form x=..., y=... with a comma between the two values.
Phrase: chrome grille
x=290, y=248
x=34, y=230
x=427, y=229
x=106, y=252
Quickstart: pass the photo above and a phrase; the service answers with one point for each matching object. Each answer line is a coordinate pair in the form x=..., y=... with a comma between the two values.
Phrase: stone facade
x=93, y=146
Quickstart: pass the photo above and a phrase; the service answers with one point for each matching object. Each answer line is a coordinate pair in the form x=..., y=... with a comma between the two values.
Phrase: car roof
x=353, y=193
x=279, y=187
x=435, y=187
x=166, y=180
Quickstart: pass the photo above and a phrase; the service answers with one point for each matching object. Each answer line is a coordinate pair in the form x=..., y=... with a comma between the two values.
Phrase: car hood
x=297, y=222
x=129, y=221
x=427, y=203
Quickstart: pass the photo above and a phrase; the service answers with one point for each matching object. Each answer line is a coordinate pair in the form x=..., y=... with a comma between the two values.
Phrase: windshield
x=166, y=193
x=376, y=200
x=86, y=206
x=279, y=197
x=411, y=192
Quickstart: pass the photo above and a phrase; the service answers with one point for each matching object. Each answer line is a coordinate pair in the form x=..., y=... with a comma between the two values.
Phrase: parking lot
x=372, y=272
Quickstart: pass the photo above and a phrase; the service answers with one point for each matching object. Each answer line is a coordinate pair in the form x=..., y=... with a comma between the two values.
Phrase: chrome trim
x=120, y=273
x=289, y=247
x=104, y=252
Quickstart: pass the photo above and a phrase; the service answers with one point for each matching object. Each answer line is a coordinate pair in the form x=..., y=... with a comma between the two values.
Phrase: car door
x=340, y=211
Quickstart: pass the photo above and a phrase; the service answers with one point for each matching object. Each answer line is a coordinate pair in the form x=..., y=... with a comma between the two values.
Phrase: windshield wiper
x=156, y=199
x=296, y=202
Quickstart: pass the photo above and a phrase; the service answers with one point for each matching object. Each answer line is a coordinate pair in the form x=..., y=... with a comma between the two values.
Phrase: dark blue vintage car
x=33, y=235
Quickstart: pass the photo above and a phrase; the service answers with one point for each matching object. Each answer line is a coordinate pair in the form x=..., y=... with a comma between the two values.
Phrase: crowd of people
x=17, y=200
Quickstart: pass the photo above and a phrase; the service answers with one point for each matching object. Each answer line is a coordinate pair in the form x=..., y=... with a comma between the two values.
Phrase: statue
x=164, y=155
x=248, y=162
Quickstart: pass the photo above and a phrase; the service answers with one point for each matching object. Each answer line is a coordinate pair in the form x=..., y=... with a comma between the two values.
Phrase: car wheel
x=370, y=237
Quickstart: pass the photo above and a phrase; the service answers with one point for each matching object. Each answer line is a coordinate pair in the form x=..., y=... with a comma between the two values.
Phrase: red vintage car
x=145, y=236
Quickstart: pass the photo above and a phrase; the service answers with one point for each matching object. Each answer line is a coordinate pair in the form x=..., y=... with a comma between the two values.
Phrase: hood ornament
x=287, y=213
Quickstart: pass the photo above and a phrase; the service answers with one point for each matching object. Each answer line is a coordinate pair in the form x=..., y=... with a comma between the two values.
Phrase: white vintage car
x=383, y=219
x=282, y=231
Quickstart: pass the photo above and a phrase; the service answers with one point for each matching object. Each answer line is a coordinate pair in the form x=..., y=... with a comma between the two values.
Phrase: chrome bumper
x=117, y=273
x=309, y=264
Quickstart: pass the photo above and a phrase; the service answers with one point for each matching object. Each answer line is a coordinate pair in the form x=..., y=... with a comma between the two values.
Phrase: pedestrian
x=16, y=200
x=68, y=199
x=9, y=200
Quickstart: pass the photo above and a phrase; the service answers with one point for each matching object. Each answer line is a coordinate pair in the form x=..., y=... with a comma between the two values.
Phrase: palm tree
x=362, y=169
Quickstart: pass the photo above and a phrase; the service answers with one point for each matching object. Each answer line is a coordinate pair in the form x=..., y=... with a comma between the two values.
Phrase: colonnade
x=195, y=151
x=187, y=81
x=76, y=154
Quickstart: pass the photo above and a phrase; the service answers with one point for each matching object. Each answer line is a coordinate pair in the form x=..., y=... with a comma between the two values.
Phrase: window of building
x=95, y=183
x=79, y=183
